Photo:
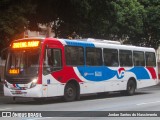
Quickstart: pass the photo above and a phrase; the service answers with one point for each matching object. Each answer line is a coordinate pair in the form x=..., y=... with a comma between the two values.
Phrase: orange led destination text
x=14, y=71
x=25, y=44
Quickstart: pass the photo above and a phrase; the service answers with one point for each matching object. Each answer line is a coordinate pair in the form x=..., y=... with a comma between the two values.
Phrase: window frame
x=50, y=66
x=131, y=65
x=117, y=56
x=101, y=56
x=65, y=54
x=154, y=59
x=144, y=60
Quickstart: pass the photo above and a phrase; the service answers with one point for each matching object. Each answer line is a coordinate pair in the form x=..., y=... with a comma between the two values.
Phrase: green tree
x=145, y=30
x=133, y=21
x=62, y=13
x=151, y=20
x=13, y=19
x=129, y=15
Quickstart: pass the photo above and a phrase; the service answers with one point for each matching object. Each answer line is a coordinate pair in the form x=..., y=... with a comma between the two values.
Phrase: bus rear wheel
x=70, y=92
x=131, y=87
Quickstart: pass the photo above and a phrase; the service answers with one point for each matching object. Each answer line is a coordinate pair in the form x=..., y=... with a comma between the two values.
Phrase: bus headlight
x=5, y=83
x=34, y=82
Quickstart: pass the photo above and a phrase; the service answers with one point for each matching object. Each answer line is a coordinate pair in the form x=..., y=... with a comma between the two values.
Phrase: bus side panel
x=103, y=79
x=91, y=87
x=148, y=78
x=51, y=87
x=119, y=82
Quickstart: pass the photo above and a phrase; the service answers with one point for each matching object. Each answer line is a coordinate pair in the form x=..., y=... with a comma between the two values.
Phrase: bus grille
x=19, y=81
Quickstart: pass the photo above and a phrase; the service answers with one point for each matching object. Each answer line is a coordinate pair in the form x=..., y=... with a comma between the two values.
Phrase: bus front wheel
x=70, y=92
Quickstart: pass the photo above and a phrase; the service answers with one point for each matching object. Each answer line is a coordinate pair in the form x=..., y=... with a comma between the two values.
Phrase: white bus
x=48, y=67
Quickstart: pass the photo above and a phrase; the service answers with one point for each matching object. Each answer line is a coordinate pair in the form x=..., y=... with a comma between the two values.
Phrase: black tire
x=70, y=92
x=131, y=87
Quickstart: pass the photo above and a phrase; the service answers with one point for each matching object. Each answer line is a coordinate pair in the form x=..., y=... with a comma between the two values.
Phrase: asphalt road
x=146, y=99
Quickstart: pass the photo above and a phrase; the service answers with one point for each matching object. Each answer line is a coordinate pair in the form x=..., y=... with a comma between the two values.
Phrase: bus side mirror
x=4, y=54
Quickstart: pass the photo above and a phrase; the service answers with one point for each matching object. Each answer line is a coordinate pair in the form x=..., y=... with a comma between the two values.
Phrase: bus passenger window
x=138, y=58
x=125, y=57
x=110, y=57
x=74, y=55
x=93, y=56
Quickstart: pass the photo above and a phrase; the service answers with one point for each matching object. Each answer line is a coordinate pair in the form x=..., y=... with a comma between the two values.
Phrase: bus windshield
x=23, y=63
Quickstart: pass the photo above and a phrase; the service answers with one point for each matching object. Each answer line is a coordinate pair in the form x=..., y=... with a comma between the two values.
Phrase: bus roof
x=109, y=45
x=94, y=42
x=99, y=41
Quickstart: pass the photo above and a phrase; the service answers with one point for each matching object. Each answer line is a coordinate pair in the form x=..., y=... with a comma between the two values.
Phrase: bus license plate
x=18, y=92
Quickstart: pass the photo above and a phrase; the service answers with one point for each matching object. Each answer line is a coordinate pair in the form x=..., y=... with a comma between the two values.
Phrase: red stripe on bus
x=153, y=72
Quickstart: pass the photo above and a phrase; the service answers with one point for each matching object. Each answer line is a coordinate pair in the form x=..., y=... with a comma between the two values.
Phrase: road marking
x=5, y=108
x=44, y=118
x=148, y=103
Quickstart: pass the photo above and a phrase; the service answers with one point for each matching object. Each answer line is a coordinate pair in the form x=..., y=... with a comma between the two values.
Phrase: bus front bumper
x=32, y=92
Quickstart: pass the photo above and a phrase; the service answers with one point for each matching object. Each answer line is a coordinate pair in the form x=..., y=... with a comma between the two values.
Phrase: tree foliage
x=131, y=21
x=151, y=20
x=13, y=19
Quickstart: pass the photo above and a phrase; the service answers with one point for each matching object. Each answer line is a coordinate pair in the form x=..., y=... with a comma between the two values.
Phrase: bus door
x=52, y=63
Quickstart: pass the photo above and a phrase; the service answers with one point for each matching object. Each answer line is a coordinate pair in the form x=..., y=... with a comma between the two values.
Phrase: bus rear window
x=150, y=59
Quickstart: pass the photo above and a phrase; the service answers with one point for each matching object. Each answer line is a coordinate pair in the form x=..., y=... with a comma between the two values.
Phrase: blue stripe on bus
x=96, y=74
x=140, y=72
x=79, y=43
